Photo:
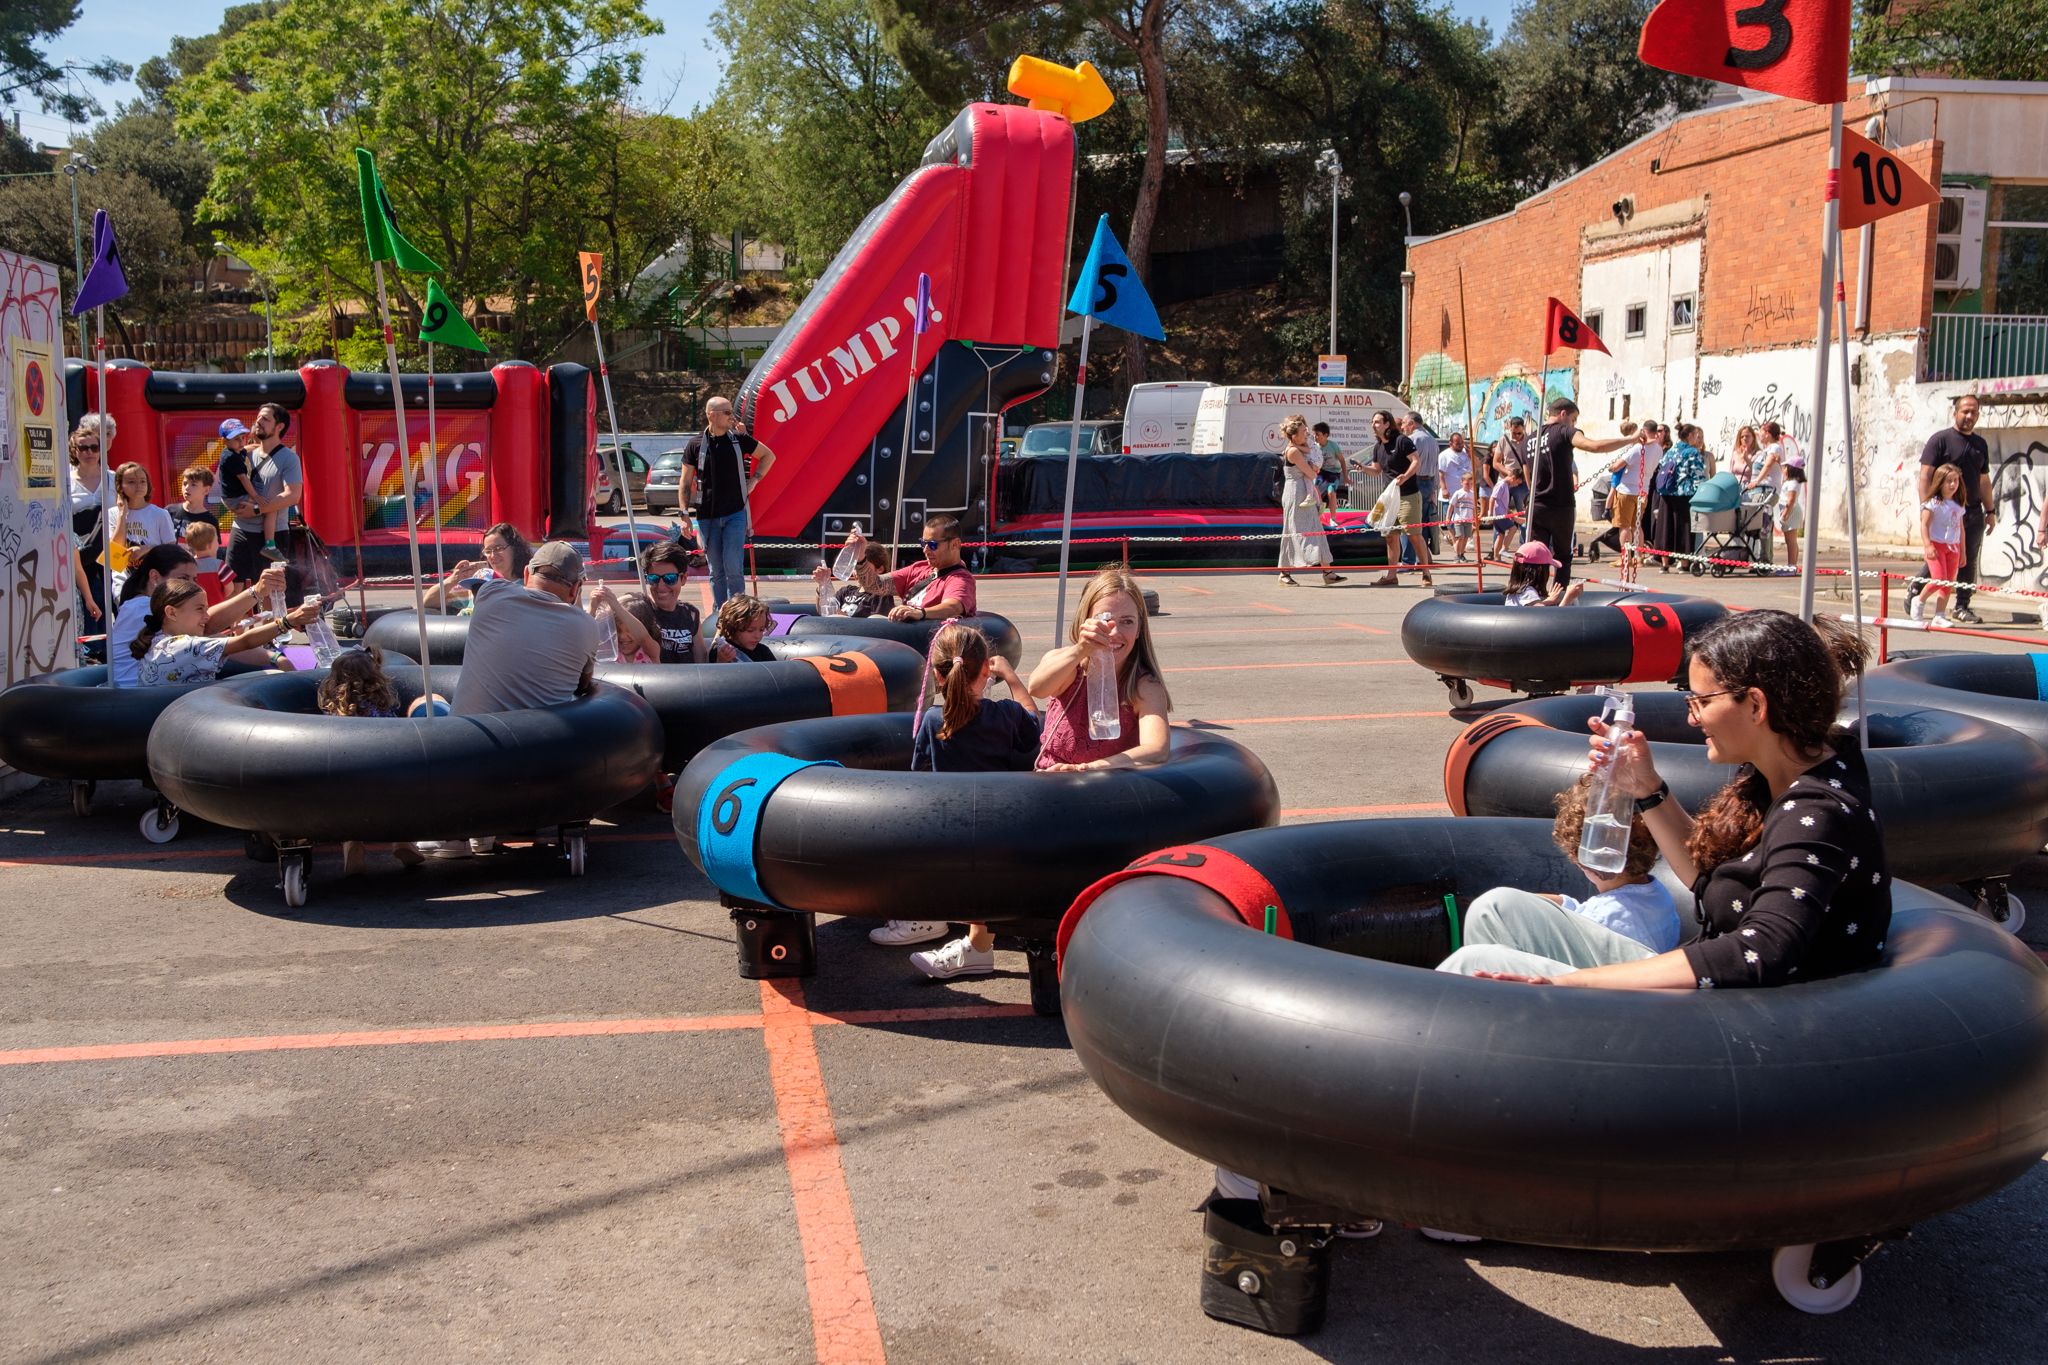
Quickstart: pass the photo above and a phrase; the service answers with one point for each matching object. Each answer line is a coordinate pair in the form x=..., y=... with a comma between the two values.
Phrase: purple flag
x=104, y=282
x=924, y=303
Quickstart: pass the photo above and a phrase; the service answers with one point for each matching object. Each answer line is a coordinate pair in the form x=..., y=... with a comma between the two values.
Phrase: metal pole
x=1812, y=516
x=412, y=530
x=903, y=455
x=1471, y=432
x=604, y=374
x=1407, y=299
x=1831, y=245
x=99, y=328
x=71, y=170
x=432, y=464
x=1073, y=461
x=1336, y=176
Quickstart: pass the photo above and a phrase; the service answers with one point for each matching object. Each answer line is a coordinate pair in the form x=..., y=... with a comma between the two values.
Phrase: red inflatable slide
x=986, y=216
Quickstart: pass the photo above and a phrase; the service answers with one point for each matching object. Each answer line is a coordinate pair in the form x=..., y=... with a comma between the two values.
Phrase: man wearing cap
x=1553, y=483
x=530, y=644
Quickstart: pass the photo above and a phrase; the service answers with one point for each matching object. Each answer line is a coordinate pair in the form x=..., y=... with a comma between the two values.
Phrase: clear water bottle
x=828, y=600
x=607, y=638
x=325, y=646
x=849, y=558
x=1610, y=811
x=1105, y=719
x=277, y=612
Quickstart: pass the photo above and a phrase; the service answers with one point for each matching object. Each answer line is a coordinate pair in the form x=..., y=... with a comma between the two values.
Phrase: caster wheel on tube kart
x=160, y=824
x=574, y=849
x=296, y=877
x=1789, y=1270
x=81, y=798
x=1460, y=692
x=2010, y=916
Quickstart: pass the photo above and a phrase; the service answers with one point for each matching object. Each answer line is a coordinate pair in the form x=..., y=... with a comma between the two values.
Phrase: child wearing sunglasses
x=677, y=632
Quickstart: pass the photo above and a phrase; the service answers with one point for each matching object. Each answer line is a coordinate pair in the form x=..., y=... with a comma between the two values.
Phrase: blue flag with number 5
x=1111, y=292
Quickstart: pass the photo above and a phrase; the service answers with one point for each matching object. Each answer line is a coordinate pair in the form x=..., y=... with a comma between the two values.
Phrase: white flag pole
x=1073, y=462
x=107, y=466
x=604, y=375
x=1812, y=515
x=412, y=529
x=432, y=464
x=1831, y=246
x=903, y=455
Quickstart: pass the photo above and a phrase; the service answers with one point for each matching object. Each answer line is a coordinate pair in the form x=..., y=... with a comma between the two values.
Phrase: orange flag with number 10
x=593, y=273
x=1875, y=184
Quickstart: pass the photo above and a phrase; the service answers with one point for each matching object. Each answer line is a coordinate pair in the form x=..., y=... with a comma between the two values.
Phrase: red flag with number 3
x=1795, y=48
x=1565, y=331
x=1875, y=184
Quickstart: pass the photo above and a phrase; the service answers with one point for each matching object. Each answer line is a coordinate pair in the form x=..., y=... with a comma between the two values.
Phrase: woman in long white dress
x=1302, y=542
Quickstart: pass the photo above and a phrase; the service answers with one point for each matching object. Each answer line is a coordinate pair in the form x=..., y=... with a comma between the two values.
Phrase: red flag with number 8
x=1795, y=48
x=1565, y=331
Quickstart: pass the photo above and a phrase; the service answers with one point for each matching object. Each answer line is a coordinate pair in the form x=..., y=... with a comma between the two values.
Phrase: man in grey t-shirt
x=279, y=481
x=1426, y=449
x=529, y=645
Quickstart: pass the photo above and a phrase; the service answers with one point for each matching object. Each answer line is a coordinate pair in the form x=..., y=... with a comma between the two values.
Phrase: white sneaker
x=444, y=848
x=1913, y=609
x=1941, y=622
x=958, y=958
x=1439, y=1235
x=900, y=933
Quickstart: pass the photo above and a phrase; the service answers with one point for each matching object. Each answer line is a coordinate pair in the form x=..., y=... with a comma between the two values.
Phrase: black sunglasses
x=667, y=580
x=931, y=544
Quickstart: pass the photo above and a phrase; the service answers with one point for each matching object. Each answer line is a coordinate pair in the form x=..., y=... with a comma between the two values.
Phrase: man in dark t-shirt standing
x=1961, y=446
x=716, y=479
x=1553, y=486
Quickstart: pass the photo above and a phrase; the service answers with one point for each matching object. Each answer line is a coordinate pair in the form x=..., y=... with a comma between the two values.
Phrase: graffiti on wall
x=2010, y=555
x=37, y=604
x=1438, y=389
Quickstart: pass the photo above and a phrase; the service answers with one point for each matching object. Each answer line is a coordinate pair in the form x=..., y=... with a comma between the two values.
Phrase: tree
x=189, y=56
x=1572, y=90
x=35, y=218
x=1978, y=40
x=492, y=120
x=24, y=70
x=142, y=140
x=837, y=119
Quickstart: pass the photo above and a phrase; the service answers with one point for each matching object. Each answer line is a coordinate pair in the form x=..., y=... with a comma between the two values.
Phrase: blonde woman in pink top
x=1062, y=678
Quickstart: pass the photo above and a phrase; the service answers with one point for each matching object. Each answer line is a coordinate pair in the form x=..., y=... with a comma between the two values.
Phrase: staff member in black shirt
x=1961, y=446
x=1786, y=861
x=716, y=481
x=1553, y=481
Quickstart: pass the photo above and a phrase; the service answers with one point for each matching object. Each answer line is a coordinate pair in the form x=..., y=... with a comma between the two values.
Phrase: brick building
x=1695, y=253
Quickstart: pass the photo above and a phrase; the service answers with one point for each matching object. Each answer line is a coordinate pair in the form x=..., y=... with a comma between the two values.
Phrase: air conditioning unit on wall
x=1959, y=239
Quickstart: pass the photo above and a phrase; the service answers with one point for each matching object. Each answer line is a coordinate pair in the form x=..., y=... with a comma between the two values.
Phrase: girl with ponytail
x=173, y=646
x=966, y=733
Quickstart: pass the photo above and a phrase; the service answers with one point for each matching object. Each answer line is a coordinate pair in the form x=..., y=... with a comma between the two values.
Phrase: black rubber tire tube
x=2004, y=689
x=72, y=727
x=871, y=838
x=1003, y=637
x=257, y=754
x=1648, y=1120
x=1544, y=649
x=1959, y=798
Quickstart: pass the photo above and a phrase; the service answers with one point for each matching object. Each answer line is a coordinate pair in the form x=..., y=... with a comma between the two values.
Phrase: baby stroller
x=1732, y=524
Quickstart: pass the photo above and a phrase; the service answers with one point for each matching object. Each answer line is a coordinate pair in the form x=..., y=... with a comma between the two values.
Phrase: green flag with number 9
x=443, y=322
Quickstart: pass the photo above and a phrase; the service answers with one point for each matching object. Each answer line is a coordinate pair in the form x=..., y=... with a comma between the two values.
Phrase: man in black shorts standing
x=1961, y=446
x=1553, y=490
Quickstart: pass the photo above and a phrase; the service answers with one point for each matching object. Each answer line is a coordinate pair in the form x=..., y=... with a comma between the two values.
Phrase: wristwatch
x=1646, y=804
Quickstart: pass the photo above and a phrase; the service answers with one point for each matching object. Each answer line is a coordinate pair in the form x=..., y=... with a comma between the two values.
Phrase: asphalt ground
x=482, y=1111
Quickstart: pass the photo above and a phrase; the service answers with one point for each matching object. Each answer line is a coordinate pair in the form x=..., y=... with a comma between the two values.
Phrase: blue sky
x=679, y=61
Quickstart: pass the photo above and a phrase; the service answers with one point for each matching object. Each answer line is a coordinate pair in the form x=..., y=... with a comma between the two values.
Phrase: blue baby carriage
x=1731, y=524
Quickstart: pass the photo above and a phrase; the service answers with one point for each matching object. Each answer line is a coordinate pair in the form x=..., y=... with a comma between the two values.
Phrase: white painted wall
x=1654, y=373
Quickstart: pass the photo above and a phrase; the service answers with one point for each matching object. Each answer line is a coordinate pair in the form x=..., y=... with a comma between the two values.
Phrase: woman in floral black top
x=1787, y=860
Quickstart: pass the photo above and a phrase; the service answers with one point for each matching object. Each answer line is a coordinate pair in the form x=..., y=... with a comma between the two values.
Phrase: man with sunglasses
x=939, y=587
x=530, y=644
x=678, y=628
x=717, y=483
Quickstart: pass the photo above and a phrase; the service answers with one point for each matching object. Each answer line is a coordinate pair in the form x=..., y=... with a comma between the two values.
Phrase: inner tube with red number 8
x=1607, y=637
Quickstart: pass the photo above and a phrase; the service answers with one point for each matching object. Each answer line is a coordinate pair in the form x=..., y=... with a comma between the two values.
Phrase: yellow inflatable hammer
x=1079, y=92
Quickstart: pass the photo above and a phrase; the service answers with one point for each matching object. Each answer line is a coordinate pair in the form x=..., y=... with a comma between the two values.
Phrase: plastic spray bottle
x=1610, y=811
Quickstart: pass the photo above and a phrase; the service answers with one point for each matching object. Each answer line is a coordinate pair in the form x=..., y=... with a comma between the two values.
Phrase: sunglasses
x=88, y=445
x=667, y=580
x=931, y=544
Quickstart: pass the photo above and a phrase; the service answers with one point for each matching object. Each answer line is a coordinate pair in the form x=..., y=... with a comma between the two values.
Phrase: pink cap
x=1535, y=552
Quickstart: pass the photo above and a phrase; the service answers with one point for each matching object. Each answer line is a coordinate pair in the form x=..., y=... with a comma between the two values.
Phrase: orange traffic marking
x=1398, y=808
x=1299, y=663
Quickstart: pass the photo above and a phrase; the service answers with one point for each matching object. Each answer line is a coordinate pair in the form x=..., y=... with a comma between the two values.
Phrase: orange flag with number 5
x=1876, y=184
x=593, y=274
x=1795, y=48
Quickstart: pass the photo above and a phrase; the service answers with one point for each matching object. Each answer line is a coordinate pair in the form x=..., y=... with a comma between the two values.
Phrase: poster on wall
x=33, y=406
x=38, y=600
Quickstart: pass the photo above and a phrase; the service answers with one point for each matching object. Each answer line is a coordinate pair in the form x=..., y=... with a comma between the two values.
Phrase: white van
x=1235, y=418
x=1159, y=419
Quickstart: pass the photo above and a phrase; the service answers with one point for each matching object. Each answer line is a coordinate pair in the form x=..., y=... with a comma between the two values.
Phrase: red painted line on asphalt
x=1163, y=632
x=1303, y=720
x=1201, y=592
x=843, y=1326
x=140, y=855
x=1398, y=808
x=919, y=1016
x=1268, y=606
x=1306, y=663
x=300, y=1042
x=1353, y=625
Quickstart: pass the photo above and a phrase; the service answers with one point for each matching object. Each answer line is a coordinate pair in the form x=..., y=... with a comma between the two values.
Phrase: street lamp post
x=1328, y=164
x=1407, y=282
x=72, y=168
